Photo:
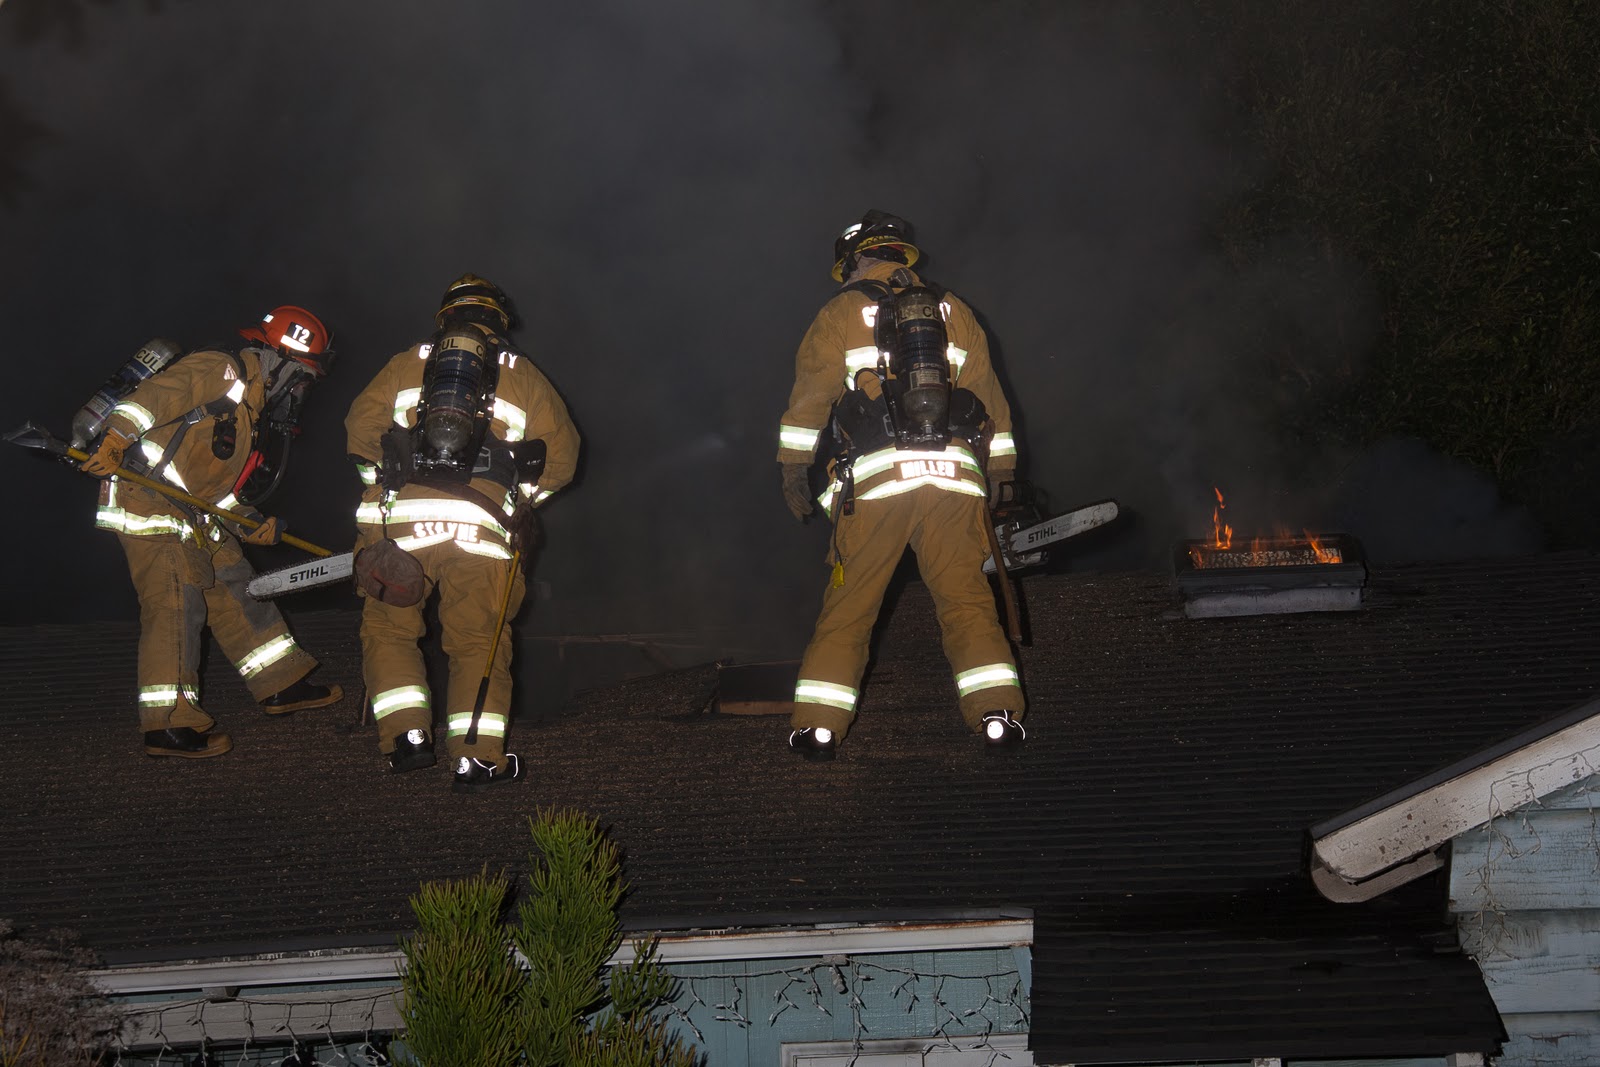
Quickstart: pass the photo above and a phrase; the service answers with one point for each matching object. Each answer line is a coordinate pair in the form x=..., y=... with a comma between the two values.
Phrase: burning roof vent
x=1268, y=576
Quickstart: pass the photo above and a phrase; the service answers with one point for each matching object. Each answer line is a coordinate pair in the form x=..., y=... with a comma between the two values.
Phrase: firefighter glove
x=270, y=532
x=525, y=530
x=108, y=456
x=796, y=490
x=997, y=483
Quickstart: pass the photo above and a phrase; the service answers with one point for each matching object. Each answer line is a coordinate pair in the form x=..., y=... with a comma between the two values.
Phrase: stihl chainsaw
x=302, y=576
x=1023, y=535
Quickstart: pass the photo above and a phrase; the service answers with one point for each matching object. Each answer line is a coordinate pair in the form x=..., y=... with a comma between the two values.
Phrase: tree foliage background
x=468, y=1001
x=51, y=1015
x=1450, y=150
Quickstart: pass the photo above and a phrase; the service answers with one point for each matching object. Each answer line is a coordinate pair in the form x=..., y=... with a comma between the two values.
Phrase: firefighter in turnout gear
x=893, y=382
x=457, y=441
x=195, y=424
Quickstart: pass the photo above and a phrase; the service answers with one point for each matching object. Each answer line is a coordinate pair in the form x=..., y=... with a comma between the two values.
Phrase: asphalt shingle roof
x=1155, y=821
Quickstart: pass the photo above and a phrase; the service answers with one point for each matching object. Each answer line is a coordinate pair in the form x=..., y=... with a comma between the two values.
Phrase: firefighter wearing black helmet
x=457, y=439
x=901, y=472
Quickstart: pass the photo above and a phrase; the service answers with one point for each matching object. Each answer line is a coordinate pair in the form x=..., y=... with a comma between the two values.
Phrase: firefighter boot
x=301, y=694
x=1001, y=732
x=474, y=775
x=185, y=741
x=413, y=750
x=817, y=744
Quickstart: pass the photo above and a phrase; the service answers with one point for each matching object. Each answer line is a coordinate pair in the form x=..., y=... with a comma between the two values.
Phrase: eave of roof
x=363, y=964
x=1390, y=840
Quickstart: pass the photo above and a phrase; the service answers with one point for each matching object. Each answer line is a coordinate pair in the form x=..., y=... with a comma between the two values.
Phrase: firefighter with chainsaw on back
x=457, y=440
x=894, y=379
x=203, y=423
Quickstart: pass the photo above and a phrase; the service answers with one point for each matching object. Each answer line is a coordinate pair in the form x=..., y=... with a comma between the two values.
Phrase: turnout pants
x=182, y=587
x=945, y=530
x=470, y=589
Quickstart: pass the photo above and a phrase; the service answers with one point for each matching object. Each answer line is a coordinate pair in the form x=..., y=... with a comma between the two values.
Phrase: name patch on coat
x=919, y=468
x=460, y=531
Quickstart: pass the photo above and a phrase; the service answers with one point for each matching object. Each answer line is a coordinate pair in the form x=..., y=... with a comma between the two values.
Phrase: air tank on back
x=461, y=373
x=156, y=355
x=922, y=369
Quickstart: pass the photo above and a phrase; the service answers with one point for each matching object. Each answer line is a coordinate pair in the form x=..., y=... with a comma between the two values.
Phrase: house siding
x=742, y=1012
x=1525, y=893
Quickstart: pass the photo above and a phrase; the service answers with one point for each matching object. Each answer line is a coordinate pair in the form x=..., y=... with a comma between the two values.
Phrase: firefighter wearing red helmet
x=457, y=439
x=894, y=388
x=198, y=424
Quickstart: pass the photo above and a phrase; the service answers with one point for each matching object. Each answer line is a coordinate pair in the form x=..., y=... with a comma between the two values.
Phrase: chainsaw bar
x=1023, y=546
x=302, y=576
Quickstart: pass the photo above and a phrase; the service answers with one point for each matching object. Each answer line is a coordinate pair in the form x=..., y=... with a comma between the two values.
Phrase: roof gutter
x=341, y=965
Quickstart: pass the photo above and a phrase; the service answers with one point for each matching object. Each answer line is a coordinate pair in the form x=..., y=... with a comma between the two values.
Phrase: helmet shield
x=473, y=299
x=875, y=229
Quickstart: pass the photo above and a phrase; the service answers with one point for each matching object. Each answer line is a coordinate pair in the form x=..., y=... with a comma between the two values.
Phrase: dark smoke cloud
x=658, y=187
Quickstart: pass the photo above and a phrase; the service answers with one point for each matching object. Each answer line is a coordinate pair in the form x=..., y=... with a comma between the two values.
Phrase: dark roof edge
x=767, y=920
x=631, y=925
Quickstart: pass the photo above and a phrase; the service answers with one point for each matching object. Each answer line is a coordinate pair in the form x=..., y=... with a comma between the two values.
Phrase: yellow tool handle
x=494, y=646
x=194, y=501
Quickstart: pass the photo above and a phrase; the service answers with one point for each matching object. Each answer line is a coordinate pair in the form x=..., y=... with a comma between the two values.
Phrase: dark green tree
x=470, y=1001
x=462, y=983
x=567, y=929
x=1449, y=149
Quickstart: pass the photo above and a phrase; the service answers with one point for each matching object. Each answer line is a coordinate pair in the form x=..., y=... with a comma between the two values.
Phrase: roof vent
x=1270, y=576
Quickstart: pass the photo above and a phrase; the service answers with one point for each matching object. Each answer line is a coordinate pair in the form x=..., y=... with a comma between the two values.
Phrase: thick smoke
x=658, y=187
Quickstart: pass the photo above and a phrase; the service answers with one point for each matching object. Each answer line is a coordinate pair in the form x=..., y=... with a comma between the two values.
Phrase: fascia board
x=1387, y=836
x=365, y=965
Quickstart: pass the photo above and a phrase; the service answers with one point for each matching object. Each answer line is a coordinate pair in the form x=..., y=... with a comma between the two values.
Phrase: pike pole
x=31, y=436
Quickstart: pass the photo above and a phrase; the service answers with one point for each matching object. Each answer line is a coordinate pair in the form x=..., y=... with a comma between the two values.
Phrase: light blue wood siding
x=740, y=1012
x=1525, y=891
x=1552, y=1040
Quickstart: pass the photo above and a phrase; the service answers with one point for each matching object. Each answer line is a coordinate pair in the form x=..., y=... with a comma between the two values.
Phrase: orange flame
x=1324, y=553
x=1266, y=551
x=1221, y=533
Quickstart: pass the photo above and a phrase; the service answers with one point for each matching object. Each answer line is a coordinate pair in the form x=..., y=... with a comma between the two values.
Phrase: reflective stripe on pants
x=184, y=587
x=470, y=589
x=945, y=530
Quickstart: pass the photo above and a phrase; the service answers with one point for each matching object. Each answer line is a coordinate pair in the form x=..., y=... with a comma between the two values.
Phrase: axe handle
x=194, y=501
x=494, y=646
x=1007, y=595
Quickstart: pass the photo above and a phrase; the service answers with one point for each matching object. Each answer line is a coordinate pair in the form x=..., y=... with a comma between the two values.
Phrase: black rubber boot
x=817, y=744
x=185, y=741
x=413, y=750
x=1001, y=732
x=475, y=775
x=301, y=694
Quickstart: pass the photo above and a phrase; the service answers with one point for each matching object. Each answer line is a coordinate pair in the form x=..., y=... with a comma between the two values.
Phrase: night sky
x=658, y=188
